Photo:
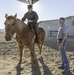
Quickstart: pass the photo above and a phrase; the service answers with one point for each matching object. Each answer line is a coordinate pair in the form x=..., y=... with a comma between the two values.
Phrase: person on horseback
x=32, y=18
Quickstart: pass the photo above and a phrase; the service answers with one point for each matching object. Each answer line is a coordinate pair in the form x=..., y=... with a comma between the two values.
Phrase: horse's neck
x=21, y=28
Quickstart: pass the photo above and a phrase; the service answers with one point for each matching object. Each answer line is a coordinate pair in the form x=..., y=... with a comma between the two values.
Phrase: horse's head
x=10, y=24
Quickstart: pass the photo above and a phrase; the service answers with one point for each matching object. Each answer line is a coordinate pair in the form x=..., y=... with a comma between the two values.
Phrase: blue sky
x=46, y=9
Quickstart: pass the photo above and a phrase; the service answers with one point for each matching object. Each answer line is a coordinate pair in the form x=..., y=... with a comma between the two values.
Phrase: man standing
x=62, y=38
x=32, y=18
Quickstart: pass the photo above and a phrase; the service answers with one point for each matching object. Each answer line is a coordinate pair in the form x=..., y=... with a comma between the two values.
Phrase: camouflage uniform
x=34, y=17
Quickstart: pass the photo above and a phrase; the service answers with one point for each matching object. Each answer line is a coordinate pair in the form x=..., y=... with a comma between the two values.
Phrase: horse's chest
x=22, y=42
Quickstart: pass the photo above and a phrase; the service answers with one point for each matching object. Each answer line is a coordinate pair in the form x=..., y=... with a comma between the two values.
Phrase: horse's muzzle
x=8, y=38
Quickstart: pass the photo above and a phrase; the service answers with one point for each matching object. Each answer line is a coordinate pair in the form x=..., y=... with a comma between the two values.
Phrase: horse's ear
x=15, y=15
x=6, y=16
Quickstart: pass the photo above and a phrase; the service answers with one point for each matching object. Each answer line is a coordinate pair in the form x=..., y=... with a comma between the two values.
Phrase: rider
x=32, y=20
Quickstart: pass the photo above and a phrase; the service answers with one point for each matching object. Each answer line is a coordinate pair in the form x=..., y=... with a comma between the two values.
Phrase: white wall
x=70, y=27
x=53, y=25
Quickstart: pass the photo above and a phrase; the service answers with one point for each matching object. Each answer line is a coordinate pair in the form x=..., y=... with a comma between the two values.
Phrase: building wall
x=70, y=26
x=51, y=27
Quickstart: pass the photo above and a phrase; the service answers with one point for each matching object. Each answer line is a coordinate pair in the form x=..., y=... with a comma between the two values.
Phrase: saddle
x=39, y=28
x=36, y=31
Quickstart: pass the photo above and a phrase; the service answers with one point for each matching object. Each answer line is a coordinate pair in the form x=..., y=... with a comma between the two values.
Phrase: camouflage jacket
x=30, y=16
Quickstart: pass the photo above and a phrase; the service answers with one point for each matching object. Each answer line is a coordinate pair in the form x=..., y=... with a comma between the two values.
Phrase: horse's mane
x=23, y=27
x=21, y=21
x=12, y=17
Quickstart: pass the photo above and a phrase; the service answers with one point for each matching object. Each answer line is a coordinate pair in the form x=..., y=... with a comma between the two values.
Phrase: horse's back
x=41, y=30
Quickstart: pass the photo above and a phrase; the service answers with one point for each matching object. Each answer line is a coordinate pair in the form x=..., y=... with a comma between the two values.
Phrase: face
x=9, y=27
x=30, y=10
x=61, y=21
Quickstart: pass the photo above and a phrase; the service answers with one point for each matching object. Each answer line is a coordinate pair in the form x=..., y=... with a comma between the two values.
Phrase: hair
x=62, y=18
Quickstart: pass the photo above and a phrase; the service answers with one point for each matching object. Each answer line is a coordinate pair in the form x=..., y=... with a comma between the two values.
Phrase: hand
x=61, y=45
x=30, y=21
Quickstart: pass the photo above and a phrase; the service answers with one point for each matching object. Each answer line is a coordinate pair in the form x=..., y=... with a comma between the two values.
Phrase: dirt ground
x=47, y=65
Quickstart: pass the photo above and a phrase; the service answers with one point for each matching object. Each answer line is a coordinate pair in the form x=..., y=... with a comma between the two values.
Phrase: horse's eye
x=13, y=24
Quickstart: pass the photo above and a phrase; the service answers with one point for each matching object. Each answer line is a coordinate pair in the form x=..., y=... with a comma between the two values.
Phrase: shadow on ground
x=18, y=70
x=70, y=73
x=36, y=68
x=54, y=45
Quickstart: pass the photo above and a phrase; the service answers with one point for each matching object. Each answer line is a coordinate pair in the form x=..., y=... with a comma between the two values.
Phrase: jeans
x=65, y=62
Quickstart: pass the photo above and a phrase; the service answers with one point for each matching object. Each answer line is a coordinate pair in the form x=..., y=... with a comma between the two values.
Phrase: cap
x=29, y=6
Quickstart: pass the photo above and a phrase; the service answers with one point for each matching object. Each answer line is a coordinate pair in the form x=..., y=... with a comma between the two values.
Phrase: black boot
x=61, y=67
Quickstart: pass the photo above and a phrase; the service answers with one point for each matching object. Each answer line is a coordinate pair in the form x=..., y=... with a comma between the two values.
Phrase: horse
x=24, y=35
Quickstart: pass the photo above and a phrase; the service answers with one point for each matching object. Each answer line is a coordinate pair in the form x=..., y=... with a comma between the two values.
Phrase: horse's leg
x=31, y=47
x=40, y=48
x=40, y=45
x=21, y=53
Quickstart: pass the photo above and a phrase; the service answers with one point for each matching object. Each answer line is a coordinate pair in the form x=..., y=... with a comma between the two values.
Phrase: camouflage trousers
x=35, y=27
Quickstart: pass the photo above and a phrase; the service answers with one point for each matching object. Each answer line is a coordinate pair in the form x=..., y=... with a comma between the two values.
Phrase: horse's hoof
x=34, y=64
x=39, y=57
x=19, y=63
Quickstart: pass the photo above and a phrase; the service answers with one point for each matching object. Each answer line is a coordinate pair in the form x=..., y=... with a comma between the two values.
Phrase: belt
x=59, y=39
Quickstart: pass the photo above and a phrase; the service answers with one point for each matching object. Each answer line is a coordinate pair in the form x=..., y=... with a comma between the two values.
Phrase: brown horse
x=24, y=35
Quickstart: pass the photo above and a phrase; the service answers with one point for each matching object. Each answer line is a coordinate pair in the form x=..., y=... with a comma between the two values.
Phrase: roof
x=48, y=20
x=55, y=19
x=69, y=17
x=28, y=1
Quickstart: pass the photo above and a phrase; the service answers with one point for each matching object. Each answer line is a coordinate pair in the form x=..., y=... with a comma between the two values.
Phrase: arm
x=64, y=37
x=24, y=18
x=36, y=17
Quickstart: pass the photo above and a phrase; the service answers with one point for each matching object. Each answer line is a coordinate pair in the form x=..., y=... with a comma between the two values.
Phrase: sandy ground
x=47, y=65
